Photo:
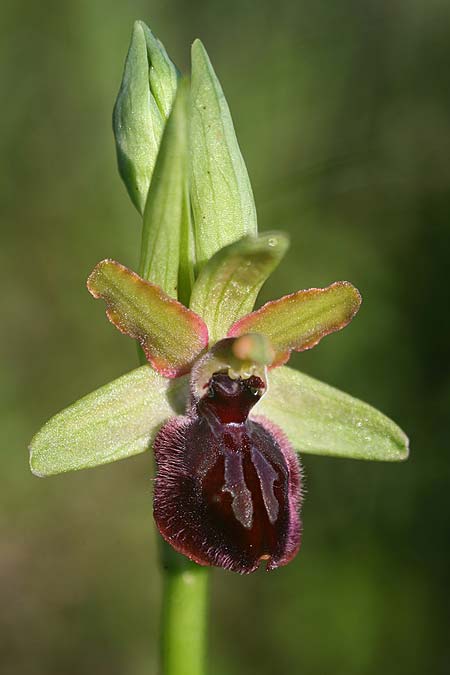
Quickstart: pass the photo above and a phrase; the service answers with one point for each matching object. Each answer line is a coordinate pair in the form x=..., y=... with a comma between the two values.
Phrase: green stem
x=184, y=609
x=184, y=615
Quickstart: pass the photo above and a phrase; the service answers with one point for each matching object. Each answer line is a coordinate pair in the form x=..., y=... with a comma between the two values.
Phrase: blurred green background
x=343, y=115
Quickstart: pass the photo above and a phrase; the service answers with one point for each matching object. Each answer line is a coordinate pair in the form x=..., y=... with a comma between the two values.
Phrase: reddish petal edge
x=158, y=363
x=170, y=373
x=240, y=327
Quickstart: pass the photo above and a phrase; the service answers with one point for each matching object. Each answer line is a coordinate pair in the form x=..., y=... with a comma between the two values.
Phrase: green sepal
x=142, y=107
x=221, y=194
x=321, y=420
x=167, y=212
x=300, y=320
x=116, y=421
x=170, y=335
x=227, y=286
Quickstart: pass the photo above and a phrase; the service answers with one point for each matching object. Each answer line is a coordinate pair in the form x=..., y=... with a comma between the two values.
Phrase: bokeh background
x=342, y=110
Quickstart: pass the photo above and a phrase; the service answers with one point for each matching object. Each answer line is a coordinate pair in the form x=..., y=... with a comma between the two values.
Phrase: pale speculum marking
x=267, y=477
x=234, y=483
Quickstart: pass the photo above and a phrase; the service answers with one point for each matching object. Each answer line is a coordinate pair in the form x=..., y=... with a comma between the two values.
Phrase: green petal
x=116, y=421
x=222, y=198
x=167, y=213
x=143, y=104
x=228, y=284
x=300, y=320
x=321, y=420
x=171, y=335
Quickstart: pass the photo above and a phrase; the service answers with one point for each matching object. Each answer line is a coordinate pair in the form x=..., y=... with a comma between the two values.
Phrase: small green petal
x=222, y=198
x=143, y=104
x=171, y=335
x=166, y=214
x=229, y=283
x=300, y=320
x=321, y=420
x=116, y=421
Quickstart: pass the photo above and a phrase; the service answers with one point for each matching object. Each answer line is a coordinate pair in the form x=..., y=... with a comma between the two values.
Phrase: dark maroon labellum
x=227, y=488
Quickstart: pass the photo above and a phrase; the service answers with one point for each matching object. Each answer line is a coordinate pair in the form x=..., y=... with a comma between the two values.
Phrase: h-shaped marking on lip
x=234, y=483
x=267, y=477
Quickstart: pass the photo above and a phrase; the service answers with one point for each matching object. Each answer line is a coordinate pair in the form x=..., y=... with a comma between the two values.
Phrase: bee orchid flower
x=225, y=415
x=228, y=480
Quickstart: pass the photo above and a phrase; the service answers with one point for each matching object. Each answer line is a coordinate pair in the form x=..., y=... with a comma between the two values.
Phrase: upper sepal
x=300, y=320
x=171, y=335
x=233, y=278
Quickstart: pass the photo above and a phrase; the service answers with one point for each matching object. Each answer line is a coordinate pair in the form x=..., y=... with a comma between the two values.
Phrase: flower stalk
x=184, y=614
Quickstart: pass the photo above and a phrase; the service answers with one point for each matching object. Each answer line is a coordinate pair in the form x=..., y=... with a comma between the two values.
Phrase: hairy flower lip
x=227, y=488
x=187, y=523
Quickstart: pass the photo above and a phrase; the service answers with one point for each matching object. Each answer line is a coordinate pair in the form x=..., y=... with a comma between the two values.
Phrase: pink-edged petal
x=300, y=320
x=171, y=335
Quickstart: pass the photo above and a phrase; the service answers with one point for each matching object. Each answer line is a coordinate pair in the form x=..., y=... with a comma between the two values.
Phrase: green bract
x=222, y=198
x=167, y=221
x=215, y=264
x=143, y=105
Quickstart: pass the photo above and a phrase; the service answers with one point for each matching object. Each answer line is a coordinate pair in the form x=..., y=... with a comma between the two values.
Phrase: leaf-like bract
x=166, y=227
x=142, y=107
x=221, y=194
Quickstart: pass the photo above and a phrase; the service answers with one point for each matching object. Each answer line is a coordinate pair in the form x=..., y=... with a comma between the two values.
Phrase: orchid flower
x=225, y=415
